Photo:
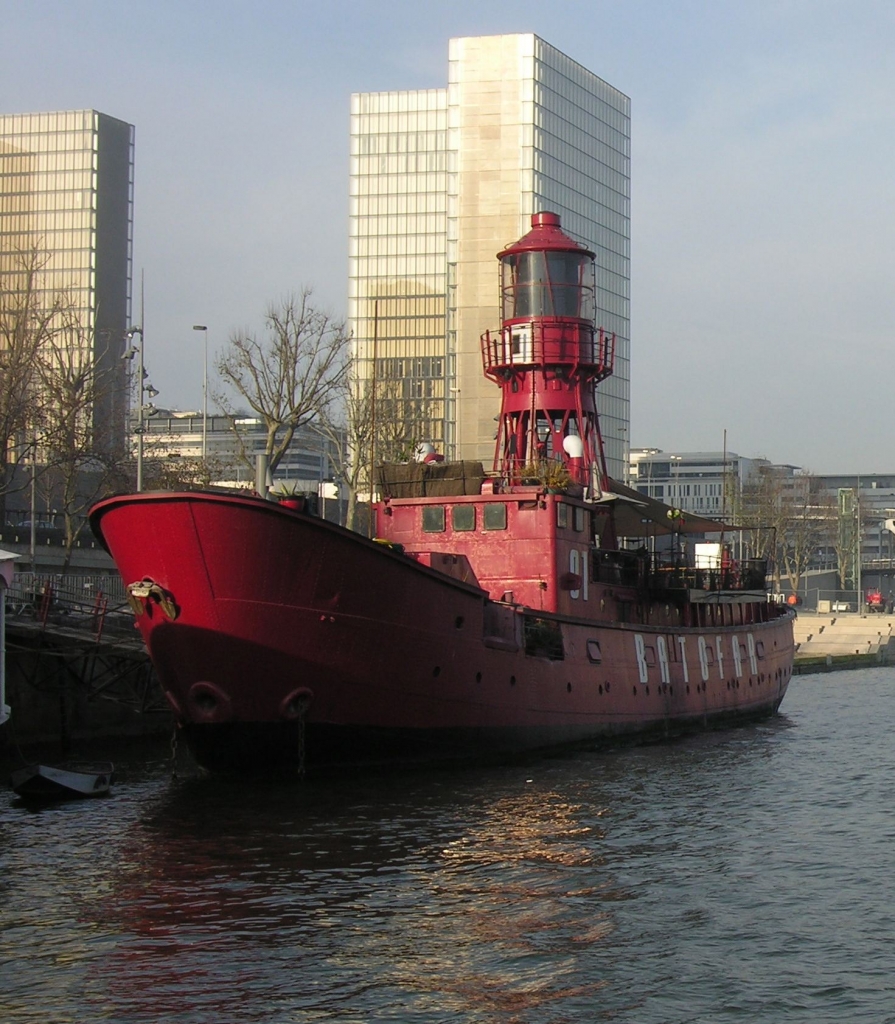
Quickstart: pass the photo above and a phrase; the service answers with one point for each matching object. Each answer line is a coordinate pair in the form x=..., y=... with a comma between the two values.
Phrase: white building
x=692, y=481
x=441, y=180
x=232, y=444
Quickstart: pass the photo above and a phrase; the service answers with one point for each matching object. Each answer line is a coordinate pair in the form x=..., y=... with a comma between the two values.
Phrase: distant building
x=692, y=481
x=66, y=190
x=308, y=464
x=871, y=496
x=441, y=180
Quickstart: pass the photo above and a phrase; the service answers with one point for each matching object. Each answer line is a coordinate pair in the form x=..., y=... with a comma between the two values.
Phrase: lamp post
x=675, y=461
x=204, y=330
x=143, y=389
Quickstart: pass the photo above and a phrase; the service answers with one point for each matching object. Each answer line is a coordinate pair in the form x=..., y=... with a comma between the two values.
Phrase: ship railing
x=661, y=574
x=749, y=574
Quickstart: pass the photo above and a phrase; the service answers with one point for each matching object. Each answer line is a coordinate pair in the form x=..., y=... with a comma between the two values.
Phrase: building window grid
x=606, y=122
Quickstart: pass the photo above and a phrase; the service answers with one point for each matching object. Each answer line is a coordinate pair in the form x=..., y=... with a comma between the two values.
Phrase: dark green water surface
x=741, y=876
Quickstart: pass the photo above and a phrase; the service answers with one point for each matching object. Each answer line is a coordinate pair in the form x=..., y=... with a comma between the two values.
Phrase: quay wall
x=76, y=669
x=828, y=643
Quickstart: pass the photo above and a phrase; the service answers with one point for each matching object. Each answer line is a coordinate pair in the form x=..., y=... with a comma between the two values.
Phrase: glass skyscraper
x=441, y=179
x=66, y=196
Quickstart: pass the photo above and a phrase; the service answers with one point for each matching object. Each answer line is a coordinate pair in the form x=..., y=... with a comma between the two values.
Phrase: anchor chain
x=302, y=711
x=174, y=753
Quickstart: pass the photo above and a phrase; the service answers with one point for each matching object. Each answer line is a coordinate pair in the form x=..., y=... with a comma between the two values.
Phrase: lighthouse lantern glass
x=540, y=283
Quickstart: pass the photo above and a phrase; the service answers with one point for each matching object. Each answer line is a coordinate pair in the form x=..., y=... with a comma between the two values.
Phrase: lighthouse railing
x=530, y=345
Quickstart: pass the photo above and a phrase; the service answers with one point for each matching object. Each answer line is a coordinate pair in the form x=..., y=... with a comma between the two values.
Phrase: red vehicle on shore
x=528, y=607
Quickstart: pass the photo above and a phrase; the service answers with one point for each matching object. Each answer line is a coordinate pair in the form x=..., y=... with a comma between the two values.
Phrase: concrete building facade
x=441, y=180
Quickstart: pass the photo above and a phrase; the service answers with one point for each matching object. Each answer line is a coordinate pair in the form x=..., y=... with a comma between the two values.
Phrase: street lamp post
x=143, y=389
x=204, y=330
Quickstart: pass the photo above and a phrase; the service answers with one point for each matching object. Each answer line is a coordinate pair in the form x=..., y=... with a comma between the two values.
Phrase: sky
x=763, y=143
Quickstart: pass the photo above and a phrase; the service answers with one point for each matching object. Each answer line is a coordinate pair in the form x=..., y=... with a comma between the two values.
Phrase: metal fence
x=32, y=594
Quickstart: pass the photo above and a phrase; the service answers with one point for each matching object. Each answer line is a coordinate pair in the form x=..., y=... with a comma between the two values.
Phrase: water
x=743, y=876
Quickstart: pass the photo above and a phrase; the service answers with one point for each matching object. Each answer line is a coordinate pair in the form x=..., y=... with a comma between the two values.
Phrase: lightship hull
x=281, y=638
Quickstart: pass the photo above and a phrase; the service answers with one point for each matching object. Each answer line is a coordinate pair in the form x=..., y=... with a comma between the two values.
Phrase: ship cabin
x=620, y=558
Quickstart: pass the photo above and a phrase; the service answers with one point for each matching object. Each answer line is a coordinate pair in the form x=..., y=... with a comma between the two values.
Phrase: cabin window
x=543, y=638
x=463, y=517
x=579, y=519
x=562, y=515
x=433, y=519
x=759, y=648
x=594, y=654
x=495, y=516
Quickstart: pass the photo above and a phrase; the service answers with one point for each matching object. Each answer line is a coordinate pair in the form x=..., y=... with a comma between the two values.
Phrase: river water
x=747, y=875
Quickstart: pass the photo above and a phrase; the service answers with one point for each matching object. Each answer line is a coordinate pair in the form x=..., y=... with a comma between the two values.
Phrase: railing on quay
x=94, y=602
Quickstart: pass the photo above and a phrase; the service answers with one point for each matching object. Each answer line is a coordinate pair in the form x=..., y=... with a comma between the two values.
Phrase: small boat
x=62, y=781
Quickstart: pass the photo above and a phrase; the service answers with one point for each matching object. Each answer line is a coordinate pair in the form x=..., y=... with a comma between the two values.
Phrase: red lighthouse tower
x=547, y=356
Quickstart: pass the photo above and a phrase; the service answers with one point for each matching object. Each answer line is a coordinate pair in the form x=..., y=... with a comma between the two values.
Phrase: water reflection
x=598, y=885
x=421, y=888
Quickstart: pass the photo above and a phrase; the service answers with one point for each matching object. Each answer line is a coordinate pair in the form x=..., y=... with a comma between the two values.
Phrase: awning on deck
x=638, y=515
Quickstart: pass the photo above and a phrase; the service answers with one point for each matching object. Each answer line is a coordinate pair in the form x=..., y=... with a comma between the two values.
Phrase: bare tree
x=290, y=376
x=789, y=519
x=83, y=462
x=371, y=425
x=347, y=426
x=170, y=471
x=25, y=326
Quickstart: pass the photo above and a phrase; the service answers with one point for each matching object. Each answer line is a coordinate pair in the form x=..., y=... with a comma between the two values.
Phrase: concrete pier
x=844, y=639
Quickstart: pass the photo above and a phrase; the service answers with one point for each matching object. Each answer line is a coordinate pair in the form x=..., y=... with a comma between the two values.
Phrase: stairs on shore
x=845, y=633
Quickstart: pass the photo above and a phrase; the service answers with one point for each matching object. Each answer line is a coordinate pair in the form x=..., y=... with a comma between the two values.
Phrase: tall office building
x=441, y=180
x=66, y=195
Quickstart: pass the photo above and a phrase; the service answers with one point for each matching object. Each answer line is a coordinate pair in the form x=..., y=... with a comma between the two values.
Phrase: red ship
x=535, y=606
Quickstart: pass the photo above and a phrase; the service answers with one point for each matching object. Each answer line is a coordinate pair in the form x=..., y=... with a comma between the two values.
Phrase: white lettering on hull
x=640, y=653
x=662, y=651
x=703, y=659
x=664, y=663
x=682, y=644
x=737, y=657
